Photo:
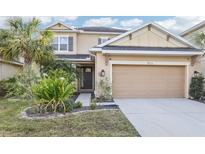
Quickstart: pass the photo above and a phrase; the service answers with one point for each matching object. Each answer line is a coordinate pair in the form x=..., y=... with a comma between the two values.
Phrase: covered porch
x=85, y=67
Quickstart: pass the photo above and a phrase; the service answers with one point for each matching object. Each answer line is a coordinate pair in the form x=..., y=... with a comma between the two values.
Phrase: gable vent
x=130, y=36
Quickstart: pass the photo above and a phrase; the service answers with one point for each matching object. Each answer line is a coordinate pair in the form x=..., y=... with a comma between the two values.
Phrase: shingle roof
x=139, y=48
x=102, y=29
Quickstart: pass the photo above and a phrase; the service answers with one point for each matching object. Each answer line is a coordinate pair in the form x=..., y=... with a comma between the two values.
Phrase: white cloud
x=131, y=23
x=45, y=19
x=65, y=18
x=71, y=17
x=3, y=21
x=100, y=22
x=180, y=23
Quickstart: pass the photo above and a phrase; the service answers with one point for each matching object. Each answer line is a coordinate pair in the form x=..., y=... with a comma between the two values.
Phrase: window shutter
x=70, y=43
x=99, y=40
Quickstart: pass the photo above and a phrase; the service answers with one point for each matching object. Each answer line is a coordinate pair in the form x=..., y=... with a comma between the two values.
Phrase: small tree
x=199, y=39
x=20, y=85
x=104, y=90
x=196, y=86
x=25, y=39
x=62, y=65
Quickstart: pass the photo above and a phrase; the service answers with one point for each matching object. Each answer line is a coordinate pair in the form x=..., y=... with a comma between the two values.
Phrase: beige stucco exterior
x=82, y=41
x=8, y=70
x=85, y=41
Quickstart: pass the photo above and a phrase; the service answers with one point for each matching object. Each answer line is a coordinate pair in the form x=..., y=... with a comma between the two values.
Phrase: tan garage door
x=148, y=81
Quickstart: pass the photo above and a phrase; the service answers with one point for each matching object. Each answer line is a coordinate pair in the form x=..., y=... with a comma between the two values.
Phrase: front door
x=86, y=78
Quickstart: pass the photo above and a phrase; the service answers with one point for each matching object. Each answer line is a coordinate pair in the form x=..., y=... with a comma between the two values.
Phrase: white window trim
x=63, y=51
x=164, y=63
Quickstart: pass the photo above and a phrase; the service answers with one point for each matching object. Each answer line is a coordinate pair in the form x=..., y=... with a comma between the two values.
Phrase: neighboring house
x=144, y=62
x=189, y=35
x=9, y=68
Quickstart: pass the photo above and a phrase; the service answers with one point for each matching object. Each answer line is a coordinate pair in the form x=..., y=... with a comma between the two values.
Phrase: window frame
x=59, y=43
x=103, y=38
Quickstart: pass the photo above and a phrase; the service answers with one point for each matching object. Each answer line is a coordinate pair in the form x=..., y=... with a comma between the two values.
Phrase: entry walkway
x=85, y=98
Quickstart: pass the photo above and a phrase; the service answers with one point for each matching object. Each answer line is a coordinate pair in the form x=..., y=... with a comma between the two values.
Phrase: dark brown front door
x=86, y=78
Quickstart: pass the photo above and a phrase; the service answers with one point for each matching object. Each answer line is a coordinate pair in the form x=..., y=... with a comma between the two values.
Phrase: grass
x=101, y=123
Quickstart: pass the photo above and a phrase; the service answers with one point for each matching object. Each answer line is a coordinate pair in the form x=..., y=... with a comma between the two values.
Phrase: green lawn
x=102, y=123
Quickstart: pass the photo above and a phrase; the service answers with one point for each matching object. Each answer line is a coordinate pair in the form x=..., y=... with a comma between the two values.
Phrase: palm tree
x=199, y=39
x=25, y=39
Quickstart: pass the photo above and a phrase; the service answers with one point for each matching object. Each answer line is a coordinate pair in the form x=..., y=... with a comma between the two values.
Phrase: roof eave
x=12, y=62
x=144, y=52
x=193, y=28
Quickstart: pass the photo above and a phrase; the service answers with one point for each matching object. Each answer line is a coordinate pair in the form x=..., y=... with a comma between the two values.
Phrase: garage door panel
x=148, y=81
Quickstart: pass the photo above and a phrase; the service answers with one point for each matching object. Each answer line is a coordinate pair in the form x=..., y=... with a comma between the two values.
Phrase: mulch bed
x=28, y=114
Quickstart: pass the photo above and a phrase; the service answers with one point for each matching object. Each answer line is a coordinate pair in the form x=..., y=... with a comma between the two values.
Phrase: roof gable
x=60, y=26
x=148, y=31
x=193, y=29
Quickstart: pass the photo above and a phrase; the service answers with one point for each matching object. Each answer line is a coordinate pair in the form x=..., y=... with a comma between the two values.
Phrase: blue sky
x=175, y=24
x=81, y=20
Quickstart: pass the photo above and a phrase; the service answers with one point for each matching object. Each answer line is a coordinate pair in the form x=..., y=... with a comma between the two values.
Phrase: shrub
x=60, y=73
x=53, y=91
x=20, y=85
x=196, y=86
x=69, y=105
x=93, y=105
x=78, y=104
x=67, y=67
x=4, y=86
x=104, y=90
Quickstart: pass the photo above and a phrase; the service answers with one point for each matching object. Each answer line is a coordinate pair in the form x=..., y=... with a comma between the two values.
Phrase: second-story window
x=102, y=40
x=63, y=43
x=55, y=43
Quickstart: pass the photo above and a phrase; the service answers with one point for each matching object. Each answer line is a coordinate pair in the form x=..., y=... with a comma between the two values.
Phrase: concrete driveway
x=165, y=117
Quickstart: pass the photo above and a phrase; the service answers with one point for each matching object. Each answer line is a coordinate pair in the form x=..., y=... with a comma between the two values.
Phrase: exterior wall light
x=102, y=73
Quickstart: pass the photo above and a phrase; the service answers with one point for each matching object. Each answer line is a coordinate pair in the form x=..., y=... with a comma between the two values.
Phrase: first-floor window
x=63, y=43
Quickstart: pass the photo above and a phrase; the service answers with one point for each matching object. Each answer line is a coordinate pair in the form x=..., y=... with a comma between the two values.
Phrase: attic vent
x=59, y=25
x=168, y=36
x=130, y=36
x=149, y=27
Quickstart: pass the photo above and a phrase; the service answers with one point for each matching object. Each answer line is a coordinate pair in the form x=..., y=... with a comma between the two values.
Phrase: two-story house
x=145, y=62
